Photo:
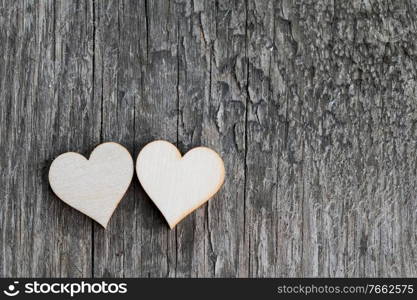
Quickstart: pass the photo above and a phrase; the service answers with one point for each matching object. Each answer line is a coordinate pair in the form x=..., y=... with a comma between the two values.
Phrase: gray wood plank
x=157, y=118
x=312, y=105
x=120, y=52
x=212, y=99
x=227, y=113
x=78, y=126
x=136, y=44
x=262, y=141
x=46, y=109
x=361, y=222
x=318, y=99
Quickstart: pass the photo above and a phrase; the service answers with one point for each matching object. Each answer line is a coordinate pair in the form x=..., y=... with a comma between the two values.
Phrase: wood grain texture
x=46, y=108
x=311, y=104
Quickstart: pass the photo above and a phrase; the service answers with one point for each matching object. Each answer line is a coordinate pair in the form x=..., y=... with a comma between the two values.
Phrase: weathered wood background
x=312, y=104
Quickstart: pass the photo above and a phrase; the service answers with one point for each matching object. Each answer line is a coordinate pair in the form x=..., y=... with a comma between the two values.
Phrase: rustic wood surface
x=312, y=105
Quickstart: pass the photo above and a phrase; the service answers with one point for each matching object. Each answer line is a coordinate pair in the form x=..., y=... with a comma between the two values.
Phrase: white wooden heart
x=94, y=186
x=179, y=184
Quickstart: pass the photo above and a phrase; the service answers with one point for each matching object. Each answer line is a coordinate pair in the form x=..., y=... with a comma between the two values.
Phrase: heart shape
x=94, y=186
x=179, y=184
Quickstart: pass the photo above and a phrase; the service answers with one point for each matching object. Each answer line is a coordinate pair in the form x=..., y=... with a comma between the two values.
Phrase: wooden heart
x=94, y=186
x=179, y=184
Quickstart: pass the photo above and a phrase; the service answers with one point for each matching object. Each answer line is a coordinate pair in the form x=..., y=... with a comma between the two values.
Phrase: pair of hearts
x=176, y=184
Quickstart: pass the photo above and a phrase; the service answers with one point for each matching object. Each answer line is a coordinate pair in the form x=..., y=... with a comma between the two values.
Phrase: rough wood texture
x=312, y=105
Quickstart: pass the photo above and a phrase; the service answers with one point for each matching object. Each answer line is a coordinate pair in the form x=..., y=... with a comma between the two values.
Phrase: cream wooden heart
x=94, y=186
x=179, y=184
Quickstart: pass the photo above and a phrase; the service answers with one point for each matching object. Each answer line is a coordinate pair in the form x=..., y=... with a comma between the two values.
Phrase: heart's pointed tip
x=103, y=224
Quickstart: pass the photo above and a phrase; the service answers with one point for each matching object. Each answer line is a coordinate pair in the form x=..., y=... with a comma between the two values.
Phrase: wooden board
x=47, y=108
x=311, y=104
